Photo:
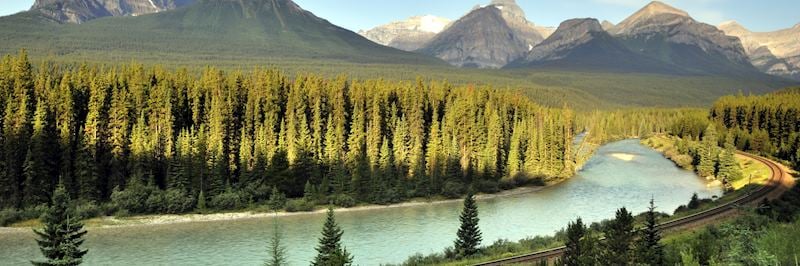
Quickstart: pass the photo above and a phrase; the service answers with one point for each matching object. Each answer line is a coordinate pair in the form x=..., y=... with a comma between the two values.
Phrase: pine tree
x=574, y=253
x=649, y=250
x=62, y=235
x=469, y=235
x=330, y=251
x=41, y=163
x=708, y=152
x=277, y=252
x=619, y=235
x=728, y=168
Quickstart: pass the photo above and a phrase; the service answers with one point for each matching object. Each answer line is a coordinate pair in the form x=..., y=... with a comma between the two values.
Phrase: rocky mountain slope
x=584, y=44
x=79, y=11
x=776, y=52
x=671, y=35
x=408, y=35
x=487, y=37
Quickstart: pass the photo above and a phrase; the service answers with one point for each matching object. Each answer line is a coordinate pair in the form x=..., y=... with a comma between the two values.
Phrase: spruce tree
x=619, y=239
x=277, y=252
x=41, y=163
x=708, y=152
x=469, y=235
x=330, y=251
x=574, y=252
x=62, y=235
x=649, y=250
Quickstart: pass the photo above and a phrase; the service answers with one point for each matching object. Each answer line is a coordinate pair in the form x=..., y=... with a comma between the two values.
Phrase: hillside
x=208, y=32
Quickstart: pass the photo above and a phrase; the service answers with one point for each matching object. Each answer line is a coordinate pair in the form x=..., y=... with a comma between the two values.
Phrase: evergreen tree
x=649, y=250
x=62, y=235
x=619, y=235
x=277, y=252
x=469, y=235
x=580, y=245
x=41, y=163
x=708, y=152
x=330, y=251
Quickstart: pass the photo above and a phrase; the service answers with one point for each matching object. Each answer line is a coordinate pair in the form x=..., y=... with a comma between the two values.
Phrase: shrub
x=155, y=201
x=254, y=193
x=135, y=199
x=86, y=210
x=683, y=160
x=299, y=205
x=9, y=216
x=452, y=189
x=342, y=200
x=487, y=186
x=228, y=200
x=177, y=201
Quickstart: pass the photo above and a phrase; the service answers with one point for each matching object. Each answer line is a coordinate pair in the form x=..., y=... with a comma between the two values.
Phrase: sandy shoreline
x=114, y=222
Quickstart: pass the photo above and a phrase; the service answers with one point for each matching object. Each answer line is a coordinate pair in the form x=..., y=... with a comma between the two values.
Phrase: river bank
x=163, y=219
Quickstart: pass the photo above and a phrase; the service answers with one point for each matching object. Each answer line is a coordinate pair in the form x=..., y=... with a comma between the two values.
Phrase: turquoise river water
x=623, y=173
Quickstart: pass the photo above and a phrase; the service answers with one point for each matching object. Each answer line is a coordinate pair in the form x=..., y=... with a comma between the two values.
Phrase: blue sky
x=764, y=15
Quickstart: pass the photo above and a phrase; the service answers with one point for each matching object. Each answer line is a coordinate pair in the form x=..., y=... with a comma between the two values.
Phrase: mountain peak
x=658, y=7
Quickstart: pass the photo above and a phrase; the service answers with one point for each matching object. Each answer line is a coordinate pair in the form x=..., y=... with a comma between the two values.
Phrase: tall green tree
x=41, y=163
x=619, y=237
x=708, y=152
x=649, y=250
x=580, y=243
x=469, y=235
x=62, y=236
x=330, y=251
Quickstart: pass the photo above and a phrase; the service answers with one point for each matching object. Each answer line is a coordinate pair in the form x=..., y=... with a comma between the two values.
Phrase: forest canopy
x=156, y=140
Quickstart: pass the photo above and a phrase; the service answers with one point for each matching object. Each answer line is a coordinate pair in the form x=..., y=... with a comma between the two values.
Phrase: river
x=623, y=173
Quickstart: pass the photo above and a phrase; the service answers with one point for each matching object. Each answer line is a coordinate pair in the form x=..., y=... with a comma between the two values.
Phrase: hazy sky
x=764, y=15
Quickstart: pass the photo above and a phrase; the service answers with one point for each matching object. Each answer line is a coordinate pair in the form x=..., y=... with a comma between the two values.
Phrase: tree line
x=767, y=124
x=157, y=140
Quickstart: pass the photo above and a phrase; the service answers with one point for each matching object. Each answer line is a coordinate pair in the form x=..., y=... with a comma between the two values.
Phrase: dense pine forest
x=150, y=140
x=768, y=124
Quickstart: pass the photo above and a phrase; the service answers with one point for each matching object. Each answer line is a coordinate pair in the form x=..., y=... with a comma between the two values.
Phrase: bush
x=487, y=186
x=177, y=201
x=452, y=189
x=155, y=202
x=86, y=210
x=342, y=200
x=683, y=160
x=300, y=205
x=254, y=193
x=135, y=199
x=228, y=200
x=9, y=216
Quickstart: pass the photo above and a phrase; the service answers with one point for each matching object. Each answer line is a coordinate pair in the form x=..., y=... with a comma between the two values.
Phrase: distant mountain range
x=776, y=52
x=656, y=39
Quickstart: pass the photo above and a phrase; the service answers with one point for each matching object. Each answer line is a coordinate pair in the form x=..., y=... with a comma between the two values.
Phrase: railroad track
x=774, y=182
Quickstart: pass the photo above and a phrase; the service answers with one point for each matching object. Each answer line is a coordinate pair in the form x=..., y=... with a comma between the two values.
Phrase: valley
x=228, y=132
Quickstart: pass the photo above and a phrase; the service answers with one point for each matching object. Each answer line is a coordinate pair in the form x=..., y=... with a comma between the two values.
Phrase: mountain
x=79, y=11
x=671, y=35
x=487, y=37
x=408, y=35
x=607, y=25
x=583, y=44
x=219, y=31
x=776, y=52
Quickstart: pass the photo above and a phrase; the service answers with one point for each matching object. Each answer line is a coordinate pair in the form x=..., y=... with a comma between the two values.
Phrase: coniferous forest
x=150, y=140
